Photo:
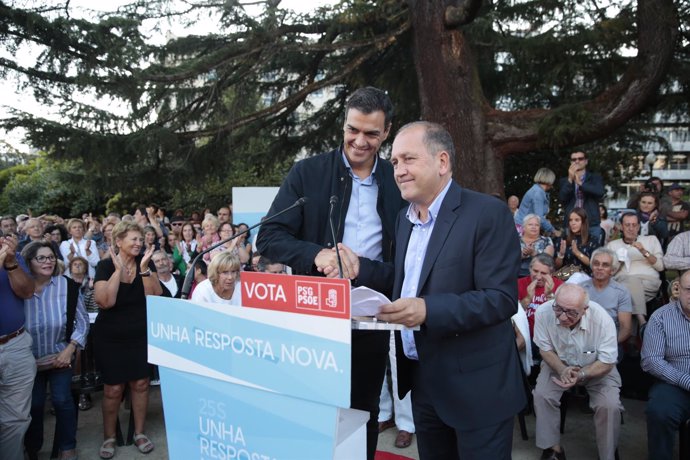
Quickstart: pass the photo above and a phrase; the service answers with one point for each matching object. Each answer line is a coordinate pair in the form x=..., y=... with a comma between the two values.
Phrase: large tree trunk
x=451, y=95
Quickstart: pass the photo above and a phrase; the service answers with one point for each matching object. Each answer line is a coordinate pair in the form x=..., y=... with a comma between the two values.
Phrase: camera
x=649, y=186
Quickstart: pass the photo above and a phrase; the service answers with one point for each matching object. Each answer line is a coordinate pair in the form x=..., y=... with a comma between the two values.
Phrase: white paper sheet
x=366, y=302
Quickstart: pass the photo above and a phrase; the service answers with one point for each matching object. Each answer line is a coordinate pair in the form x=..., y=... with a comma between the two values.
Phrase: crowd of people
x=55, y=271
x=583, y=291
x=589, y=293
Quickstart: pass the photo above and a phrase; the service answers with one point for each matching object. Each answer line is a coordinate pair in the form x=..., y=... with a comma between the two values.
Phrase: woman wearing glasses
x=222, y=285
x=58, y=324
x=226, y=231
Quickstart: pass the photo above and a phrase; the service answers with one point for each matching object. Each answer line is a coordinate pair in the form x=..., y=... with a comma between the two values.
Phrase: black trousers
x=369, y=353
x=438, y=441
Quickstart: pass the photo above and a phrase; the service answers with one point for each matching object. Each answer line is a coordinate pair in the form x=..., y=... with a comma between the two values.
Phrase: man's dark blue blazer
x=468, y=361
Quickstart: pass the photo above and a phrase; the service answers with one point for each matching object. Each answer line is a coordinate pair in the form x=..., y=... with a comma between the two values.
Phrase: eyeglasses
x=175, y=224
x=572, y=314
x=42, y=259
x=576, y=159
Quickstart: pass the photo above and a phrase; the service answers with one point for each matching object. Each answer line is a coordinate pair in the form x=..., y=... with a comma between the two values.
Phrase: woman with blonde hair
x=536, y=201
x=121, y=285
x=222, y=284
x=210, y=235
x=78, y=246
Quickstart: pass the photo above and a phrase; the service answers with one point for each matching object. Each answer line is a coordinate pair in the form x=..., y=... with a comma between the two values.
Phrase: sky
x=12, y=98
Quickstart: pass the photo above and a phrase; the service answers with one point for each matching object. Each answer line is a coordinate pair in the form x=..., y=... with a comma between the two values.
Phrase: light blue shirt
x=414, y=259
x=46, y=319
x=363, y=229
x=535, y=201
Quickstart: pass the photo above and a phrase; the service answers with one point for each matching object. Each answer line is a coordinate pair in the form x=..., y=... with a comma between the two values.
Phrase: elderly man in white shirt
x=641, y=262
x=578, y=346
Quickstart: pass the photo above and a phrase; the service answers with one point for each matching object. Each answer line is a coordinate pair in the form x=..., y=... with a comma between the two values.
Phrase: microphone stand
x=334, y=200
x=189, y=277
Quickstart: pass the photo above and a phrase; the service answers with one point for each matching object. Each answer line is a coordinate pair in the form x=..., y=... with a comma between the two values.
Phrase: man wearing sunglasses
x=582, y=189
x=578, y=346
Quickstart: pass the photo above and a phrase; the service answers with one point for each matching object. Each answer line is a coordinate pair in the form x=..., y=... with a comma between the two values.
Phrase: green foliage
x=180, y=123
x=559, y=126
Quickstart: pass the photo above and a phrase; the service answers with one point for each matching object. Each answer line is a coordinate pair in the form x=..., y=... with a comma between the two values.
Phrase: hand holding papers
x=365, y=304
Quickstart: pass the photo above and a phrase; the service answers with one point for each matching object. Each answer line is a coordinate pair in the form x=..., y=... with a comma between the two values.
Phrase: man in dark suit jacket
x=582, y=189
x=456, y=264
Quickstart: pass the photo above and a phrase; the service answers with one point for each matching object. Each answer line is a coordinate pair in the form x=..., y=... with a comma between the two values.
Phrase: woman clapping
x=121, y=285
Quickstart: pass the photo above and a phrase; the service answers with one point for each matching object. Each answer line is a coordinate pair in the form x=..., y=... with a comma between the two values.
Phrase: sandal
x=108, y=452
x=144, y=447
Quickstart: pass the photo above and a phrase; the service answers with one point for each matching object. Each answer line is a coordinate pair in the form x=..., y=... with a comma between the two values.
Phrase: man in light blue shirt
x=456, y=264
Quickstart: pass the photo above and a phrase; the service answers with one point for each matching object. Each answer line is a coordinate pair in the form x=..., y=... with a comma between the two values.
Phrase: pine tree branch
x=574, y=124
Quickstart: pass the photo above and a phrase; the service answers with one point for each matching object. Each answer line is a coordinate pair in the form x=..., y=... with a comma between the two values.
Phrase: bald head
x=570, y=304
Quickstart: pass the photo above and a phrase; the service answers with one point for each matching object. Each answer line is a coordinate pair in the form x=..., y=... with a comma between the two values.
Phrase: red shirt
x=538, y=299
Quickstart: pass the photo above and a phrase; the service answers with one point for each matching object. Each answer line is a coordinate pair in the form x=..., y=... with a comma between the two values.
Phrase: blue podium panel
x=274, y=351
x=207, y=418
x=270, y=382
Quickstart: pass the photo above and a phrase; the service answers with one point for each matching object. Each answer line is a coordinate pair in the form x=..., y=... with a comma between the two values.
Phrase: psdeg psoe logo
x=320, y=296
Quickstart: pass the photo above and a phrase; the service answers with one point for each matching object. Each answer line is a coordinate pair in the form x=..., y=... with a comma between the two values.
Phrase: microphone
x=334, y=200
x=189, y=277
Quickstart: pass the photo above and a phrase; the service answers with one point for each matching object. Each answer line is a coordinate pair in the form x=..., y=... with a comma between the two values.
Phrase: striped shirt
x=46, y=319
x=666, y=346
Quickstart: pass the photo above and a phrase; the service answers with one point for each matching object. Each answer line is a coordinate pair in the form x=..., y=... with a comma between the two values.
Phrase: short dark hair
x=64, y=235
x=628, y=214
x=263, y=263
x=30, y=250
x=369, y=100
x=605, y=214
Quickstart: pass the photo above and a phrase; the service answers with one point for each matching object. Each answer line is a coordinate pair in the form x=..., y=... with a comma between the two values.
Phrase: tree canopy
x=183, y=119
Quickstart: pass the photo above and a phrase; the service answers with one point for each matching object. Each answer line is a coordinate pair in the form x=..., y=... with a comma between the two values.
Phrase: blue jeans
x=65, y=411
x=667, y=408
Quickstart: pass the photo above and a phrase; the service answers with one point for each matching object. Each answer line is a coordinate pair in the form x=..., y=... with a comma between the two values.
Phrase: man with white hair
x=577, y=342
x=608, y=293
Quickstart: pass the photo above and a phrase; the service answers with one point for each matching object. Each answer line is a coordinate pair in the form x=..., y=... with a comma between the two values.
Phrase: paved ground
x=578, y=438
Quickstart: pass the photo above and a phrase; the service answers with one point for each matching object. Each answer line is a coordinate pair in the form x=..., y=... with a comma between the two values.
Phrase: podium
x=269, y=380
